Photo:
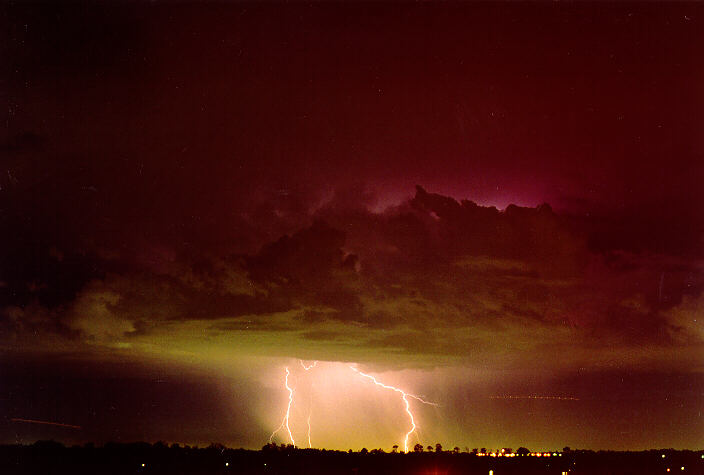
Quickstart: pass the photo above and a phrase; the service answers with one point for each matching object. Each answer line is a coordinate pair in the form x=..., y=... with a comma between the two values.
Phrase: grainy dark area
x=212, y=212
x=46, y=457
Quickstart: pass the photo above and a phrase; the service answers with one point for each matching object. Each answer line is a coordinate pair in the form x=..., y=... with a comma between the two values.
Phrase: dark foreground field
x=140, y=458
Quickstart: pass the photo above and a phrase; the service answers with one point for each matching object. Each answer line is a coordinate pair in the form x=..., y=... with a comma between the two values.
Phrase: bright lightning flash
x=311, y=366
x=310, y=405
x=404, y=396
x=287, y=417
x=288, y=411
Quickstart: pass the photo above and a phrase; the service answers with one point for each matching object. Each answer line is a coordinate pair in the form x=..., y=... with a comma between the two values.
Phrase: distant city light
x=142, y=465
x=227, y=464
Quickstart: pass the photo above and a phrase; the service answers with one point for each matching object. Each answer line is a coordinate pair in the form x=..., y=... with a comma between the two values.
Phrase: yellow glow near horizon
x=317, y=390
x=404, y=396
x=288, y=412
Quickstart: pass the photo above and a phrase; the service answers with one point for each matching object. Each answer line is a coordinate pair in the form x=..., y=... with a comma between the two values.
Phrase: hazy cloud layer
x=218, y=189
x=430, y=282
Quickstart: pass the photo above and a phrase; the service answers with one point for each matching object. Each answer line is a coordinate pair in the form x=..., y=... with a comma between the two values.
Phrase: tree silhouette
x=213, y=446
x=270, y=447
x=438, y=448
x=394, y=449
x=53, y=457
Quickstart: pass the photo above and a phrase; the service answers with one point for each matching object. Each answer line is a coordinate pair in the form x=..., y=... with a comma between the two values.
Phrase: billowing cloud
x=221, y=190
x=432, y=282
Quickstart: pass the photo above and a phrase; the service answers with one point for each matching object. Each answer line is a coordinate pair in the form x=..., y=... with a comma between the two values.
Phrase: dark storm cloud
x=184, y=128
x=431, y=278
x=219, y=181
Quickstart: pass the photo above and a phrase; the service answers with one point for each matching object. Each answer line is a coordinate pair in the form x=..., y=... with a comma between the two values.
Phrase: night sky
x=497, y=206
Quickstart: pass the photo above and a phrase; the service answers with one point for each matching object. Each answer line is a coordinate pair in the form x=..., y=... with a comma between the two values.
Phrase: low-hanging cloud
x=431, y=282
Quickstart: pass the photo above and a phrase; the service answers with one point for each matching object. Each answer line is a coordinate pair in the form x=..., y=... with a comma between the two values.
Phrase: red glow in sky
x=477, y=200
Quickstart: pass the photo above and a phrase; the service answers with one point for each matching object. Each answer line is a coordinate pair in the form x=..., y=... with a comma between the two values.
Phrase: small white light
x=227, y=464
x=663, y=455
x=681, y=468
x=142, y=465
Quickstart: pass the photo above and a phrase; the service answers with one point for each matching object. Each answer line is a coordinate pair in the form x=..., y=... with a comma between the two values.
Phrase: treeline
x=49, y=457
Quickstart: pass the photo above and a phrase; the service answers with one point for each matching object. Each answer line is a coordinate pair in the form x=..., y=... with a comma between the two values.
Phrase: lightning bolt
x=288, y=411
x=310, y=403
x=315, y=363
x=404, y=396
